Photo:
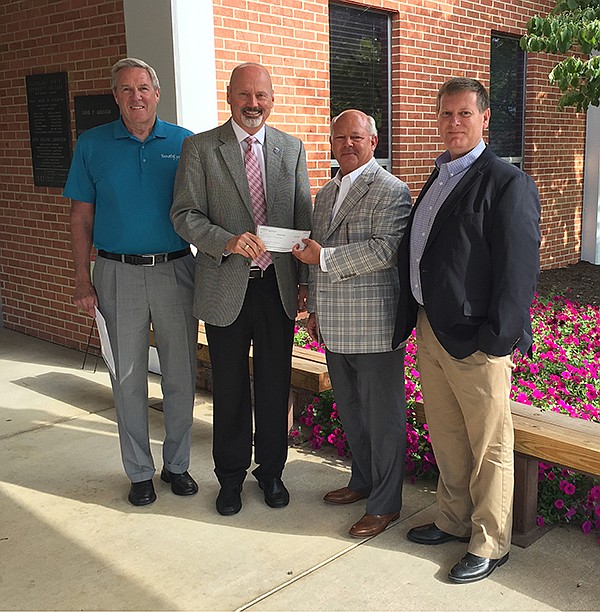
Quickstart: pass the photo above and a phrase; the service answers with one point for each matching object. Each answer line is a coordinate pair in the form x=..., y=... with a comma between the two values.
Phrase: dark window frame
x=383, y=153
x=507, y=110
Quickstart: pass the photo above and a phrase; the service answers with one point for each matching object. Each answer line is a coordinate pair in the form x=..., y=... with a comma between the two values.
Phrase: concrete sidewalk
x=70, y=540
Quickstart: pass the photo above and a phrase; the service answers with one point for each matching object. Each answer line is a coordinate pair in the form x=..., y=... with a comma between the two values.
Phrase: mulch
x=579, y=282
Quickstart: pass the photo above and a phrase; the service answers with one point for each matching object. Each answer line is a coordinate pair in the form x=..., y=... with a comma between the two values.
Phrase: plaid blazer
x=356, y=299
x=211, y=204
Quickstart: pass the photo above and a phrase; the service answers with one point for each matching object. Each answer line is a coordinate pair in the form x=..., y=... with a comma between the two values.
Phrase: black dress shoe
x=142, y=493
x=472, y=568
x=229, y=500
x=430, y=534
x=181, y=484
x=276, y=495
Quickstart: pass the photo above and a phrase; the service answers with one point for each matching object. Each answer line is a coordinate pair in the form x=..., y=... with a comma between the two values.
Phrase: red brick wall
x=291, y=39
x=83, y=38
x=431, y=41
x=554, y=154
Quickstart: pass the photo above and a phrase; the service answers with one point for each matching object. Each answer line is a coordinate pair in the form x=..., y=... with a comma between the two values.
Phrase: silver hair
x=370, y=120
x=132, y=62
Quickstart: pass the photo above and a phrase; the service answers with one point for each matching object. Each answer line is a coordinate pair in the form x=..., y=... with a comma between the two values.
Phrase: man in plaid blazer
x=358, y=222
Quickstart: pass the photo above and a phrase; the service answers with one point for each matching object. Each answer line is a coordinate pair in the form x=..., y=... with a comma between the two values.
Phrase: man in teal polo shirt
x=121, y=185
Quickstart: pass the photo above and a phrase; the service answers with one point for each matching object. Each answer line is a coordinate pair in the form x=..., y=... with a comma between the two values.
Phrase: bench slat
x=563, y=440
x=548, y=416
x=579, y=450
x=309, y=355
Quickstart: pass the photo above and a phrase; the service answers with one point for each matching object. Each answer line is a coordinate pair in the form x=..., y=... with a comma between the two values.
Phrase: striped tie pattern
x=259, y=207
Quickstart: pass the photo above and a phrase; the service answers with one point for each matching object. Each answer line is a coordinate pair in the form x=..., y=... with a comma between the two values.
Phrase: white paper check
x=281, y=239
x=106, y=348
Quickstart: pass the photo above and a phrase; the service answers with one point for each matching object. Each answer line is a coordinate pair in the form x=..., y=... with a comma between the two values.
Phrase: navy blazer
x=480, y=266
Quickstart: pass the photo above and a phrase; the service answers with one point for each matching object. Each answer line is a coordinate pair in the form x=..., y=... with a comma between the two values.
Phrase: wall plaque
x=49, y=128
x=91, y=111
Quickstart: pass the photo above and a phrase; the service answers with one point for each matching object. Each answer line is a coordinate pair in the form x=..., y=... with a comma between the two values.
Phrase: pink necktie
x=259, y=208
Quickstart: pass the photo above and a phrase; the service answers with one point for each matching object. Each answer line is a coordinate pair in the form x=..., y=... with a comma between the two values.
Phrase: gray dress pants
x=130, y=298
x=371, y=401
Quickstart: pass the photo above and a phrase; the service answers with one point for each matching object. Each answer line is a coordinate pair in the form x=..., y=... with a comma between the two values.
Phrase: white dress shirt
x=344, y=183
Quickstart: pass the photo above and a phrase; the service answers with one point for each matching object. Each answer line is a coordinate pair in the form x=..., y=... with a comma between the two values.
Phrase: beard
x=252, y=122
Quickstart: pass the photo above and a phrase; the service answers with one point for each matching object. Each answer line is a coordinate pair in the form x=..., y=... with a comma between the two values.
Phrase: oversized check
x=281, y=239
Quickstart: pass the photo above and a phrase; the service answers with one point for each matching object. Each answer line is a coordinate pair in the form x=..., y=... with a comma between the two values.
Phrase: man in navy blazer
x=468, y=267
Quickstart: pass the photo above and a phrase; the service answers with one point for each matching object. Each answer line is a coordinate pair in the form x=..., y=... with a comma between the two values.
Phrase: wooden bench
x=544, y=436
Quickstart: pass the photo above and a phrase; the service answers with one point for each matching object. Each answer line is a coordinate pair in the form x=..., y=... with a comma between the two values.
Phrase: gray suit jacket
x=212, y=203
x=356, y=299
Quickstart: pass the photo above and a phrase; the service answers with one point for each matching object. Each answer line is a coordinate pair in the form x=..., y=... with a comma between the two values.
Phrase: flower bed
x=562, y=376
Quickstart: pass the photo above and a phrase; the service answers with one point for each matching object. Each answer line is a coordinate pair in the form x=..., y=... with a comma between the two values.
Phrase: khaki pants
x=468, y=413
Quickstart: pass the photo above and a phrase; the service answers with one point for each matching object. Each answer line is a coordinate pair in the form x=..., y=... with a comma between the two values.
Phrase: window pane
x=359, y=66
x=507, y=71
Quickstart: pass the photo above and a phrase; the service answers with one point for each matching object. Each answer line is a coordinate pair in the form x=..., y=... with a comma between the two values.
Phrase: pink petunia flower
x=569, y=488
x=540, y=521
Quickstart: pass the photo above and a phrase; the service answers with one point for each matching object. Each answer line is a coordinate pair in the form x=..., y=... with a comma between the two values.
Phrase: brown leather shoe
x=345, y=496
x=372, y=524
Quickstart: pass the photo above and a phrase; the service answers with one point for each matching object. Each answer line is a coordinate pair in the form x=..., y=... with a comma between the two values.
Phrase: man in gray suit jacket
x=228, y=180
x=358, y=222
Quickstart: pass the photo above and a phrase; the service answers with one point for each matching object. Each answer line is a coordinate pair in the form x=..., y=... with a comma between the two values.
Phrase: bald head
x=250, y=68
x=250, y=96
x=353, y=139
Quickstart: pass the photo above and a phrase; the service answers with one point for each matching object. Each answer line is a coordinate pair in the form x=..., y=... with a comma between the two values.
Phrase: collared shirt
x=241, y=136
x=450, y=174
x=344, y=183
x=130, y=182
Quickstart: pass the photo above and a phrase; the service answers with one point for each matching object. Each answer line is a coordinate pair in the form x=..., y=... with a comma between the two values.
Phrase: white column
x=194, y=60
x=590, y=226
x=176, y=37
x=149, y=37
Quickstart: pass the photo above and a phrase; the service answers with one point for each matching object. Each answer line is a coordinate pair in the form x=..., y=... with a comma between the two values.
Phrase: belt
x=144, y=260
x=258, y=273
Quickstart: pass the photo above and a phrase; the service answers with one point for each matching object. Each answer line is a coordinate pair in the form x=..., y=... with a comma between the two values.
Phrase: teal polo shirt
x=131, y=185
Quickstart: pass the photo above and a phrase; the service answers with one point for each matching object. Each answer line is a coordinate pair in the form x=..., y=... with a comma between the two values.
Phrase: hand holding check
x=310, y=253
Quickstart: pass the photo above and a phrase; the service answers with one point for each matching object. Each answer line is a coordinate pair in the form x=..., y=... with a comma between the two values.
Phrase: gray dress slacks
x=130, y=298
x=371, y=401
